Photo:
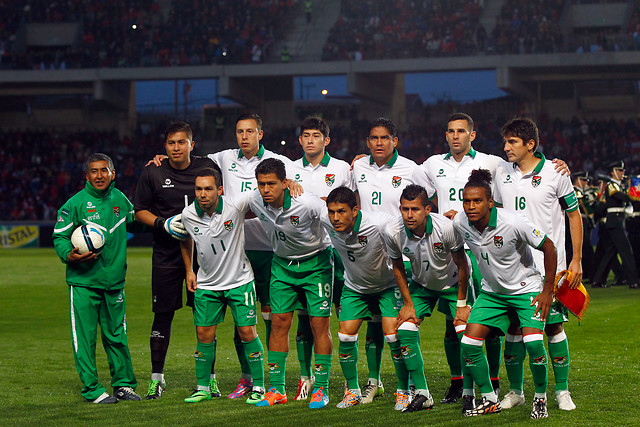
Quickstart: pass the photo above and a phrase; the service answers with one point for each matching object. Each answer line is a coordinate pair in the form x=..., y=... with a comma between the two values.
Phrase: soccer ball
x=88, y=238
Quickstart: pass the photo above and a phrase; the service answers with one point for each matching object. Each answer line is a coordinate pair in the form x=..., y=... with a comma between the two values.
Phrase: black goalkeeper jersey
x=161, y=191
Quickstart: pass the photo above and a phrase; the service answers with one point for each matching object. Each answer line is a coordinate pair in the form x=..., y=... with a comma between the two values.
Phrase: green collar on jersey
x=540, y=164
x=472, y=153
x=99, y=194
x=493, y=219
x=323, y=162
x=428, y=229
x=391, y=161
x=259, y=154
x=200, y=212
x=356, y=226
x=287, y=200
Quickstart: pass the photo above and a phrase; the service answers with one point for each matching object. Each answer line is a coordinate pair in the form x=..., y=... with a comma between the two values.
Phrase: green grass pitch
x=39, y=384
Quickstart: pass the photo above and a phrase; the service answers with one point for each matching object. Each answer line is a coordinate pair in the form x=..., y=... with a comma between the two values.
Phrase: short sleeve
x=452, y=240
x=392, y=235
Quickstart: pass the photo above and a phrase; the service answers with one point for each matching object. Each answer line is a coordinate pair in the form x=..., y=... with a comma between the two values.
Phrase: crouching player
x=511, y=287
x=216, y=225
x=360, y=239
x=440, y=272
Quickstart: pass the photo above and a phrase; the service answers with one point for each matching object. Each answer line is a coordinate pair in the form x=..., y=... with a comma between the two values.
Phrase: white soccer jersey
x=503, y=252
x=380, y=188
x=441, y=174
x=238, y=176
x=294, y=229
x=367, y=266
x=541, y=195
x=431, y=263
x=329, y=174
x=219, y=241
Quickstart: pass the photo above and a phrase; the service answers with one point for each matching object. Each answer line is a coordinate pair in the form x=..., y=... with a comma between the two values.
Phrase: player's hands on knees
x=157, y=160
x=191, y=281
x=74, y=256
x=407, y=314
x=462, y=315
x=576, y=274
x=174, y=227
x=543, y=303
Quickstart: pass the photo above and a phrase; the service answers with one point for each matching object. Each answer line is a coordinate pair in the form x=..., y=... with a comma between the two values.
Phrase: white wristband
x=461, y=303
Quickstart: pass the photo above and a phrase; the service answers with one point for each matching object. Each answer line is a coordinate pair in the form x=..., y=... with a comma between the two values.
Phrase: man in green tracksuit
x=96, y=281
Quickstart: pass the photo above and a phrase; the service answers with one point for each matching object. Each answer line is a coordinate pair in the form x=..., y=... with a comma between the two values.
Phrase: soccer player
x=511, y=286
x=318, y=173
x=379, y=180
x=96, y=281
x=370, y=288
x=440, y=274
x=160, y=197
x=444, y=176
x=225, y=278
x=586, y=196
x=301, y=276
x=529, y=185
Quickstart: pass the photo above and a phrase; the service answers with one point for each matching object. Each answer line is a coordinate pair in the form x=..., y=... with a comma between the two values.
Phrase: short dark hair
x=462, y=116
x=272, y=165
x=523, y=128
x=480, y=178
x=178, y=126
x=343, y=195
x=250, y=116
x=413, y=192
x=97, y=157
x=215, y=173
x=385, y=123
x=315, y=123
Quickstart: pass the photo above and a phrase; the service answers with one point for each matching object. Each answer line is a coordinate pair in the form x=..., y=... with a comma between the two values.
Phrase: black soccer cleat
x=496, y=387
x=486, y=407
x=125, y=393
x=468, y=403
x=419, y=403
x=454, y=392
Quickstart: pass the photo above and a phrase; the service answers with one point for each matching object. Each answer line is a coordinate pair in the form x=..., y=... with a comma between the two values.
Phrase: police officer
x=586, y=195
x=615, y=239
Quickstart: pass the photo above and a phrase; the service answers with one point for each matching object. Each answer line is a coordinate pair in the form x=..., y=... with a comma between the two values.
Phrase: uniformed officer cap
x=616, y=165
x=581, y=175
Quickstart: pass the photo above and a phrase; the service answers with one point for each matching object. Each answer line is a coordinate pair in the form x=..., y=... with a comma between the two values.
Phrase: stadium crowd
x=42, y=167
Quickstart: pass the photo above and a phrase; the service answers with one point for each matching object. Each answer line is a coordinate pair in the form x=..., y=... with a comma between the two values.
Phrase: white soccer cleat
x=564, y=401
x=305, y=387
x=512, y=399
x=370, y=391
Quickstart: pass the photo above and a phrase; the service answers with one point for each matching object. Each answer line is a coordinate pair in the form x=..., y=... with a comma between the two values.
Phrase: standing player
x=440, y=275
x=318, y=173
x=586, y=196
x=511, y=285
x=370, y=287
x=96, y=281
x=216, y=224
x=160, y=197
x=445, y=175
x=301, y=276
x=379, y=180
x=530, y=186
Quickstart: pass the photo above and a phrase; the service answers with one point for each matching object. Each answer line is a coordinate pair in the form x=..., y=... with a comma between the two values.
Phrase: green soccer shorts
x=425, y=300
x=496, y=310
x=261, y=266
x=211, y=306
x=355, y=305
x=558, y=313
x=302, y=284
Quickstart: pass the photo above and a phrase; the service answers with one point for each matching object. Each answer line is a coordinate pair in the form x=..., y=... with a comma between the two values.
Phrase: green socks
x=239, y=345
x=277, y=363
x=205, y=353
x=254, y=353
x=493, y=347
x=304, y=344
x=348, y=355
x=321, y=369
x=373, y=348
x=398, y=362
x=452, y=349
x=514, y=355
x=537, y=360
x=477, y=363
x=409, y=337
x=559, y=354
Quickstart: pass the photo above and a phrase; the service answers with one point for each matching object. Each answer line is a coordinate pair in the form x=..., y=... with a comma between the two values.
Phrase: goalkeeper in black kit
x=161, y=194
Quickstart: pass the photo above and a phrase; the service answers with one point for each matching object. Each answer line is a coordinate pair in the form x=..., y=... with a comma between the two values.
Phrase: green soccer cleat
x=255, y=397
x=156, y=388
x=213, y=387
x=198, y=396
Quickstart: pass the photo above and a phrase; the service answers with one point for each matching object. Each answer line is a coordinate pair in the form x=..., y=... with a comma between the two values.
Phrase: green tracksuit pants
x=90, y=307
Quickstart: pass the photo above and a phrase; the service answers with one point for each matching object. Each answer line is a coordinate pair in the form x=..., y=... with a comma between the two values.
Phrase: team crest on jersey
x=116, y=211
x=295, y=220
x=362, y=240
x=396, y=181
x=497, y=240
x=438, y=247
x=330, y=179
x=535, y=181
x=228, y=225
